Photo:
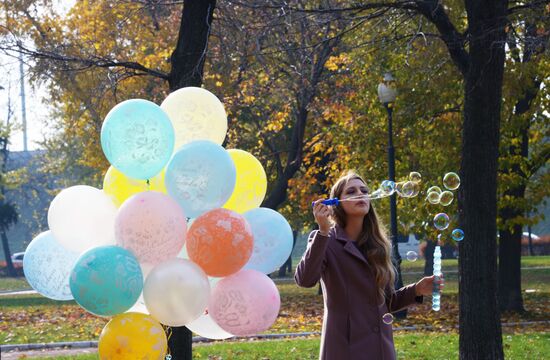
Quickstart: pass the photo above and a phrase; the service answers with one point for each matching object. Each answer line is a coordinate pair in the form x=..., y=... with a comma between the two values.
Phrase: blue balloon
x=106, y=280
x=272, y=240
x=47, y=266
x=201, y=177
x=137, y=138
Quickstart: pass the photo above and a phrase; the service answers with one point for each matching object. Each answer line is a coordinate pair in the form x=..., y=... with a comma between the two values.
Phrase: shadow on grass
x=31, y=300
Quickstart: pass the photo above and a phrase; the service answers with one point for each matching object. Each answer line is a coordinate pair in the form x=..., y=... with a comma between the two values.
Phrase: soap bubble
x=446, y=198
x=441, y=221
x=415, y=177
x=457, y=235
x=388, y=187
x=433, y=197
x=387, y=318
x=451, y=181
x=412, y=256
x=407, y=190
x=436, y=189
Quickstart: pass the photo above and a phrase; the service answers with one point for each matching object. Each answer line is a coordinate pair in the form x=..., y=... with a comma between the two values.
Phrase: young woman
x=351, y=255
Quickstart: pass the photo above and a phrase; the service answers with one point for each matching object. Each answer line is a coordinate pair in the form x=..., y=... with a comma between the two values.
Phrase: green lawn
x=420, y=346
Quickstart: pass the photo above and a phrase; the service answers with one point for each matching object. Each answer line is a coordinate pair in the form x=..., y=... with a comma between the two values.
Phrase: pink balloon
x=152, y=226
x=245, y=303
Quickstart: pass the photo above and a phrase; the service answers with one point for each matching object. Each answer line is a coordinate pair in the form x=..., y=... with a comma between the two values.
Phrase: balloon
x=245, y=303
x=273, y=240
x=251, y=184
x=220, y=242
x=152, y=226
x=81, y=217
x=47, y=266
x=206, y=327
x=200, y=177
x=132, y=336
x=120, y=187
x=196, y=114
x=176, y=292
x=106, y=280
x=137, y=138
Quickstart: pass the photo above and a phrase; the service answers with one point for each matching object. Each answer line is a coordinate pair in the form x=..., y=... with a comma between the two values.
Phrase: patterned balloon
x=152, y=226
x=106, y=280
x=273, y=240
x=120, y=187
x=137, y=138
x=206, y=327
x=47, y=266
x=245, y=303
x=132, y=336
x=200, y=177
x=196, y=114
x=220, y=242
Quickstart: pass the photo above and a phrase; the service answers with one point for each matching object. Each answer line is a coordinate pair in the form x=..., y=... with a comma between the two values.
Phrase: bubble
x=412, y=256
x=415, y=177
x=387, y=318
x=407, y=189
x=415, y=189
x=433, y=197
x=451, y=181
x=446, y=198
x=436, y=189
x=388, y=187
x=441, y=221
x=457, y=235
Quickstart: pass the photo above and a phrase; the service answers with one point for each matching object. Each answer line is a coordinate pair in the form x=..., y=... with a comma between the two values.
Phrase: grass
x=432, y=346
x=10, y=284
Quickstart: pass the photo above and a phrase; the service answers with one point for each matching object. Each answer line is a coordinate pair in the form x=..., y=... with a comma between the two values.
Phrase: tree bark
x=479, y=313
x=190, y=53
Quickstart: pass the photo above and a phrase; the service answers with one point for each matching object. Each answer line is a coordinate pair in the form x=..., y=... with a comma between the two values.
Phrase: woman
x=351, y=255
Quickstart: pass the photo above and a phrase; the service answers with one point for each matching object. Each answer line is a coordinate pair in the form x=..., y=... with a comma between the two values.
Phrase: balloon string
x=148, y=185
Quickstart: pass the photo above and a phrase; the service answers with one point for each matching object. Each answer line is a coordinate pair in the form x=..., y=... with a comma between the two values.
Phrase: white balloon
x=206, y=327
x=82, y=217
x=176, y=292
x=196, y=114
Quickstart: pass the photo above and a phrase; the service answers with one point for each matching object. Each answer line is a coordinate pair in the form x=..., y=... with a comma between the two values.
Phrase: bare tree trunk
x=190, y=53
x=479, y=314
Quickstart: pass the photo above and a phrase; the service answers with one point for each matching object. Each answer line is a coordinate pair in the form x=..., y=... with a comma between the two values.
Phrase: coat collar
x=349, y=245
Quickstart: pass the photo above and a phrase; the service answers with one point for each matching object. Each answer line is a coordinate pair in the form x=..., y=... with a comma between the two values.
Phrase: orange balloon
x=220, y=242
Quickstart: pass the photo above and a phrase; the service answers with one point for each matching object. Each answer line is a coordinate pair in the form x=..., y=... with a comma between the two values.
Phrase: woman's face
x=360, y=205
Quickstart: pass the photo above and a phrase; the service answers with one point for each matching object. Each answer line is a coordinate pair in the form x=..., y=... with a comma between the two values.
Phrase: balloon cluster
x=126, y=251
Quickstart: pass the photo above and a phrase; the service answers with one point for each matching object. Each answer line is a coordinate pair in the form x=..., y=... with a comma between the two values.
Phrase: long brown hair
x=372, y=240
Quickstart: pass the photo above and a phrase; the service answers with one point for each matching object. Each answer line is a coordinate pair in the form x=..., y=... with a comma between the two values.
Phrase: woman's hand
x=322, y=214
x=426, y=285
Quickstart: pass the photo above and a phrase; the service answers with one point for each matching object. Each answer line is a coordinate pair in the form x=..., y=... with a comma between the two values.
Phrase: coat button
x=376, y=329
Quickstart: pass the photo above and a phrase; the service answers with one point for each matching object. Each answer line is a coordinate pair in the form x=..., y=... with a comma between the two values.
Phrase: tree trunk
x=6, y=247
x=479, y=313
x=190, y=53
x=509, y=285
x=187, y=70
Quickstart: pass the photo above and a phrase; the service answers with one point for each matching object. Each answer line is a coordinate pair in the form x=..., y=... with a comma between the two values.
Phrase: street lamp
x=387, y=94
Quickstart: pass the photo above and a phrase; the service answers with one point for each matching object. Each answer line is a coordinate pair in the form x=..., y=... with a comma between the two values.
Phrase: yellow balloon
x=251, y=184
x=132, y=336
x=120, y=187
x=196, y=114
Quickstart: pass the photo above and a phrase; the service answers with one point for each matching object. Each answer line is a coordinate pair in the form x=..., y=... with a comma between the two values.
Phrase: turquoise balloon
x=47, y=266
x=106, y=280
x=137, y=138
x=272, y=240
x=201, y=177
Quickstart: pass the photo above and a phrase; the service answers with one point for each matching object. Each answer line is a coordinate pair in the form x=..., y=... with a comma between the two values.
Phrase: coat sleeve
x=313, y=262
x=402, y=298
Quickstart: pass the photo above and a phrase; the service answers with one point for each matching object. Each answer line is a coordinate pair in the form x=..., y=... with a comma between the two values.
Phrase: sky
x=35, y=98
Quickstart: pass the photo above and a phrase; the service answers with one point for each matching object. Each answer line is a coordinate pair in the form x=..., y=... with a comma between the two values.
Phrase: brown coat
x=352, y=323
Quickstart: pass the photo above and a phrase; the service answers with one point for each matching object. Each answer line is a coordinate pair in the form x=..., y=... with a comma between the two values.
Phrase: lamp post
x=387, y=94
